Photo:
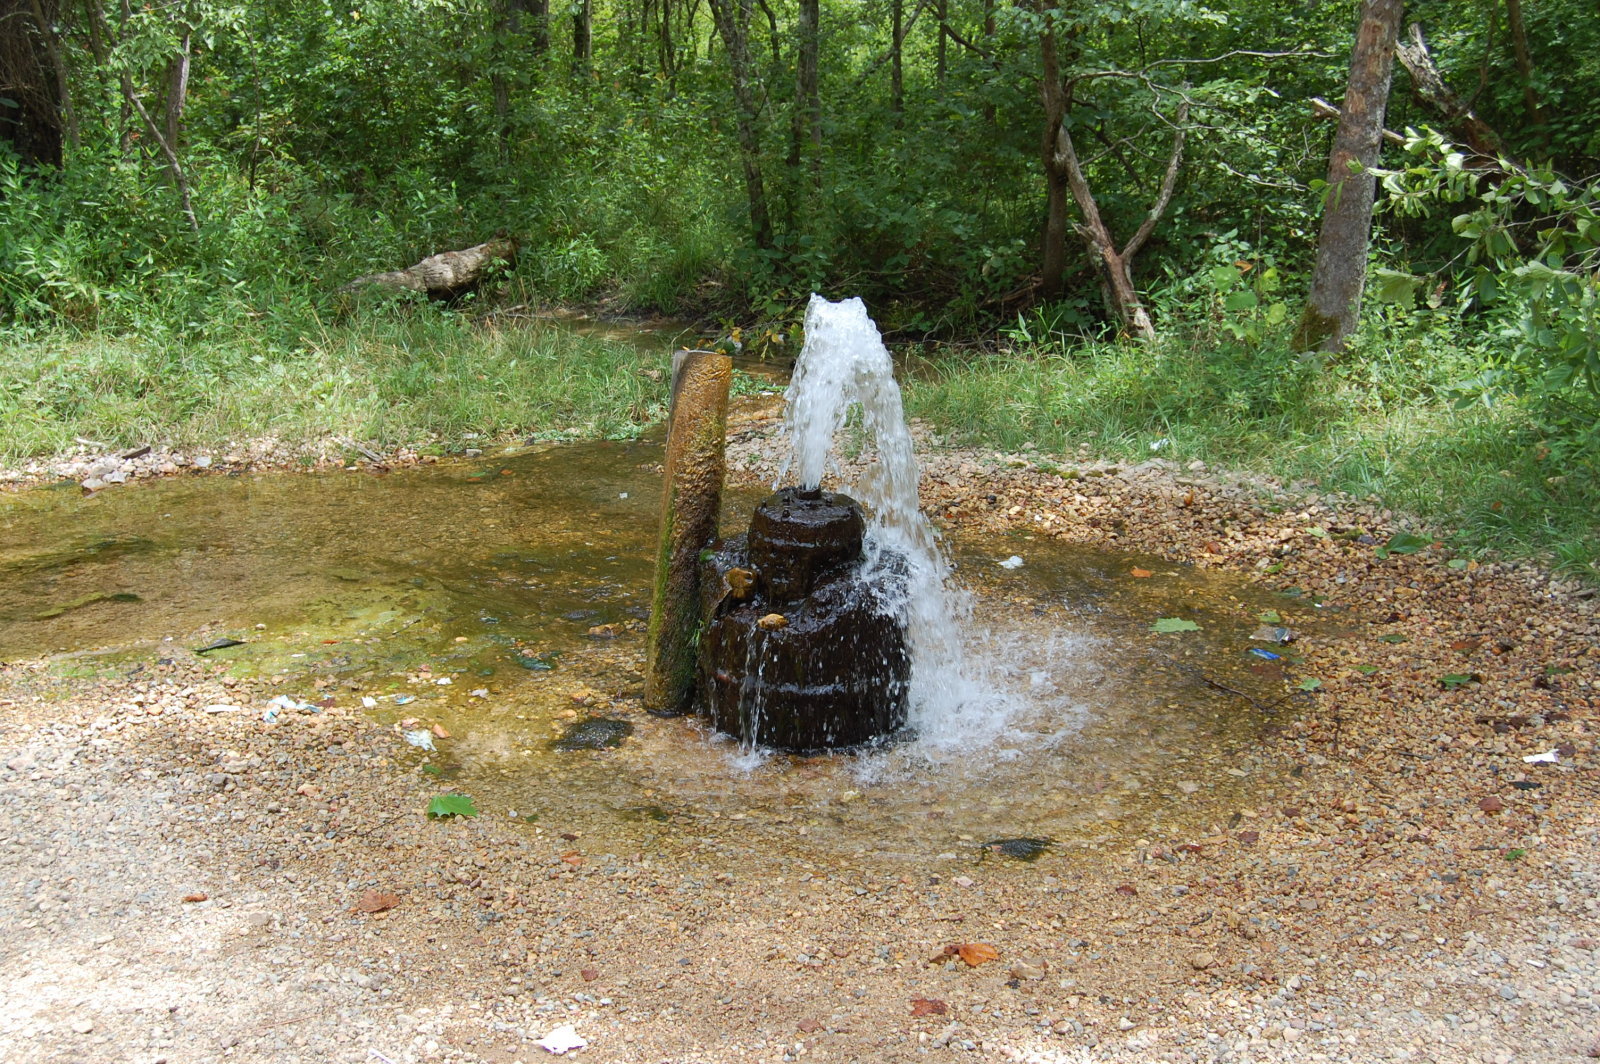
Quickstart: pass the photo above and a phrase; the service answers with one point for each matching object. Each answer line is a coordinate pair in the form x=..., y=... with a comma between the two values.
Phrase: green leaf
x=448, y=805
x=1456, y=679
x=1244, y=299
x=1224, y=277
x=1516, y=853
x=1366, y=670
x=1457, y=563
x=1397, y=287
x=1310, y=683
x=1174, y=624
x=433, y=770
x=1403, y=543
x=1391, y=639
x=1269, y=617
x=1320, y=533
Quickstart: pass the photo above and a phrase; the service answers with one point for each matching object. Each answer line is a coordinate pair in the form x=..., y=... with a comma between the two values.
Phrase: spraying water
x=844, y=367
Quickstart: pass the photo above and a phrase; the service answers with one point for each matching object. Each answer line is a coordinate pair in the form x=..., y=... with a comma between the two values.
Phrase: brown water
x=523, y=580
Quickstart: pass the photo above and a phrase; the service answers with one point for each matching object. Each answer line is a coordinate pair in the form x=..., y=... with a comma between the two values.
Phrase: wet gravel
x=182, y=880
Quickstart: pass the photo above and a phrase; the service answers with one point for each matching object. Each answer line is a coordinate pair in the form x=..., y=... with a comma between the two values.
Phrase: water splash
x=960, y=701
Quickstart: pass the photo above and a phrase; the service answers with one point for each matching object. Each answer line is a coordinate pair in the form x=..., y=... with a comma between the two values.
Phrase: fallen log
x=446, y=276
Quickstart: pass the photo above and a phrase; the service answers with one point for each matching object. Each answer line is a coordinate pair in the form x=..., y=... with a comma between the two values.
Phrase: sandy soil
x=181, y=884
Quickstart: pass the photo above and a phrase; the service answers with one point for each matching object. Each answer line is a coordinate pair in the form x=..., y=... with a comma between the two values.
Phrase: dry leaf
x=573, y=858
x=928, y=1007
x=976, y=953
x=195, y=897
x=590, y=974
x=440, y=732
x=374, y=901
x=808, y=1026
x=1140, y=573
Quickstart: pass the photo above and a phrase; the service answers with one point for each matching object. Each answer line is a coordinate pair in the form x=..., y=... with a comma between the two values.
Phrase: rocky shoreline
x=184, y=882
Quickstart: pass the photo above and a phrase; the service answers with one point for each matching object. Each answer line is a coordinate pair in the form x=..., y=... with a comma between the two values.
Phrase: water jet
x=810, y=624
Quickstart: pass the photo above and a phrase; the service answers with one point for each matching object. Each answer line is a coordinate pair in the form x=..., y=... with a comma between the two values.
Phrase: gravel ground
x=183, y=883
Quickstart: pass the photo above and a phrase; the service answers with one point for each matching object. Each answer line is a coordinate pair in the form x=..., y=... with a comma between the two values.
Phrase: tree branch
x=1323, y=109
x=1169, y=181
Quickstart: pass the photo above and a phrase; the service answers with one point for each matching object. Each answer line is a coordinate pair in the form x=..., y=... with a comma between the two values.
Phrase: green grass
x=401, y=377
x=1371, y=425
x=1381, y=422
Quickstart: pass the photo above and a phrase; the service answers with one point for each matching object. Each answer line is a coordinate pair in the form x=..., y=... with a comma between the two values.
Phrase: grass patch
x=406, y=376
x=1367, y=426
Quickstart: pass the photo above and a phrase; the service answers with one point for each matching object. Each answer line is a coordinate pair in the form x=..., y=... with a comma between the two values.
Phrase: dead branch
x=448, y=275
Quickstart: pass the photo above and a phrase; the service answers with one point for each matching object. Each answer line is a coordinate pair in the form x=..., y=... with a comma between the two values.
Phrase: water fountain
x=812, y=624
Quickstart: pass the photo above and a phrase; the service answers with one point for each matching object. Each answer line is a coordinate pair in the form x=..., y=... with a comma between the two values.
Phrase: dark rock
x=1021, y=849
x=219, y=644
x=594, y=733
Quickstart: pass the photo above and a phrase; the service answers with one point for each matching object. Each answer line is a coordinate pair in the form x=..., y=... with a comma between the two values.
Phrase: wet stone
x=595, y=733
x=1020, y=849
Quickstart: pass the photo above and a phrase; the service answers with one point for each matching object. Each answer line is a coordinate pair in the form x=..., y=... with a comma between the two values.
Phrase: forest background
x=1087, y=227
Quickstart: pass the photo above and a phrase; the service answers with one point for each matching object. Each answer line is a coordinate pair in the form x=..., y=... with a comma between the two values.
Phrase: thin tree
x=732, y=18
x=1519, y=48
x=1334, y=306
x=807, y=126
x=1064, y=177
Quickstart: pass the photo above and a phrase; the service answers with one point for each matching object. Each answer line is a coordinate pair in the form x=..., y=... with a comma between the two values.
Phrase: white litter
x=368, y=702
x=561, y=1040
x=1013, y=562
x=1549, y=757
x=223, y=707
x=422, y=738
x=444, y=681
x=479, y=692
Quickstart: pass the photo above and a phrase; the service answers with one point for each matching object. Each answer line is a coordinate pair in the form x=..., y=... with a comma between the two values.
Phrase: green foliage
x=1532, y=252
x=1174, y=624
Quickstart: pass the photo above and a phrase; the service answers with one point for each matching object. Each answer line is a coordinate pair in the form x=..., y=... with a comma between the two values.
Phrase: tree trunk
x=732, y=18
x=807, y=131
x=31, y=83
x=941, y=65
x=1053, y=95
x=1519, y=46
x=178, y=90
x=538, y=25
x=897, y=83
x=582, y=36
x=1116, y=267
x=1333, y=308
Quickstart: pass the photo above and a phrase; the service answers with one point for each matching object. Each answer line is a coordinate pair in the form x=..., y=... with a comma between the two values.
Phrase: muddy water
x=504, y=599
